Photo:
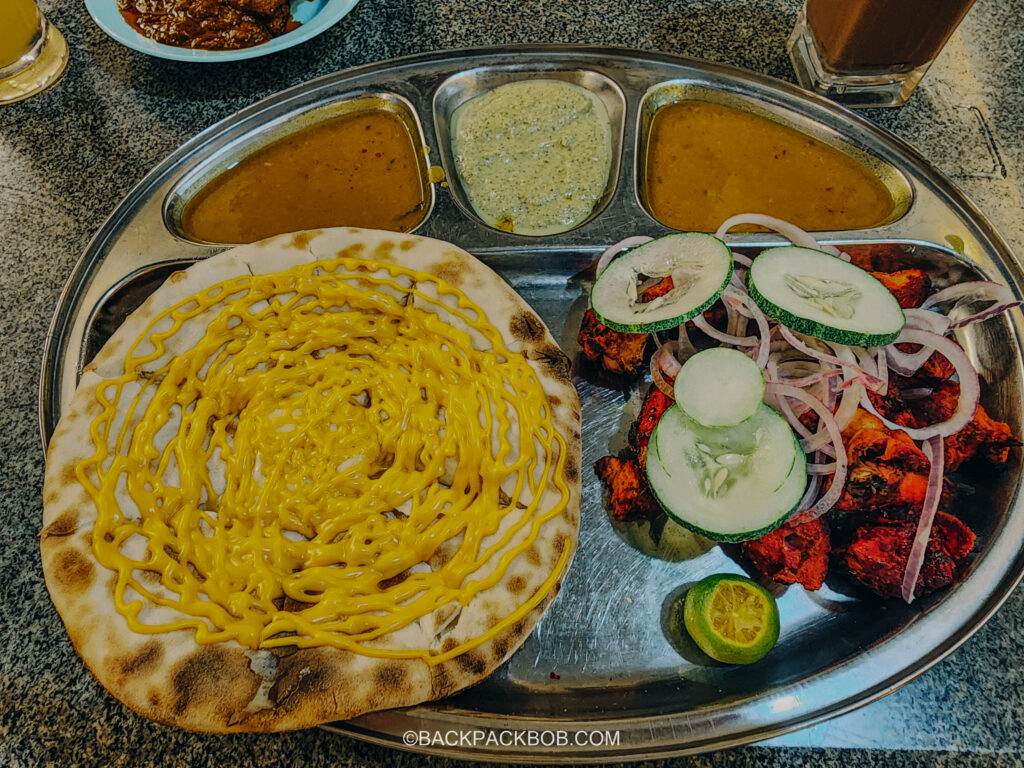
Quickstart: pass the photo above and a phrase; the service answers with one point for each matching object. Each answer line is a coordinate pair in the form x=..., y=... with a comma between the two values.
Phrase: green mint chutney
x=533, y=155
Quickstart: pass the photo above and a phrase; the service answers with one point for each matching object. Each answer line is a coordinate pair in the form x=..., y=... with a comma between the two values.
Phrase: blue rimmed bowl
x=314, y=16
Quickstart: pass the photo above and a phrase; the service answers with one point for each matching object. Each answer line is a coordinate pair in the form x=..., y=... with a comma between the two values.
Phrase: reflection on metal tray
x=618, y=666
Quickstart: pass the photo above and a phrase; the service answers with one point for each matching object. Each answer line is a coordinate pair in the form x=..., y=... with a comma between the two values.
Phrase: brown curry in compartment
x=215, y=25
x=706, y=162
x=361, y=169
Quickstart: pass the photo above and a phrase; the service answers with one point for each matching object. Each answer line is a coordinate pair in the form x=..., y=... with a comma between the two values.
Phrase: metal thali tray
x=604, y=661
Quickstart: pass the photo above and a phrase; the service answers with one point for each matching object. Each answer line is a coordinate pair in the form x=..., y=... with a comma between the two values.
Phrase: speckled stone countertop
x=68, y=156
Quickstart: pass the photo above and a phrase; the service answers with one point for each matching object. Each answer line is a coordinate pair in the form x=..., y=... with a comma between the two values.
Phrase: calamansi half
x=731, y=618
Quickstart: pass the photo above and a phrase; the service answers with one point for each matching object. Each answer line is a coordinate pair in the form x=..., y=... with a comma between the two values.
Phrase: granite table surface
x=68, y=156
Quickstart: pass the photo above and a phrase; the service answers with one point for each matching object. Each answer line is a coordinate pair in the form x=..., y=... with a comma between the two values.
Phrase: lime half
x=731, y=618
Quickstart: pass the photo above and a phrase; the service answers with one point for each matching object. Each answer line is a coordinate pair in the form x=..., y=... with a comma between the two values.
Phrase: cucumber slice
x=823, y=296
x=729, y=484
x=700, y=266
x=719, y=387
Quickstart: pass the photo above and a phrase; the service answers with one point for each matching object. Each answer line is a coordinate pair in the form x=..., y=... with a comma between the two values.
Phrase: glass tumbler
x=33, y=53
x=870, y=53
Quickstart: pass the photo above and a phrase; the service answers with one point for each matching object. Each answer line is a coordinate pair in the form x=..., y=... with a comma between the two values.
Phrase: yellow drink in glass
x=19, y=25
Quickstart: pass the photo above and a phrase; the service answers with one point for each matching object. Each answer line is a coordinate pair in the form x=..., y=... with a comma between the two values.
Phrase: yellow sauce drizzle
x=327, y=429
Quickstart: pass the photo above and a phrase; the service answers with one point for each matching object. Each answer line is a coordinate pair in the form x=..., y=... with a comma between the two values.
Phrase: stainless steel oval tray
x=601, y=677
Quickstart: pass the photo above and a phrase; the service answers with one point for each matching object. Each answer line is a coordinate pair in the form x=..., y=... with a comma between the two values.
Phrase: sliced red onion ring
x=831, y=393
x=970, y=388
x=806, y=381
x=731, y=318
x=882, y=367
x=933, y=449
x=975, y=290
x=791, y=232
x=725, y=338
x=807, y=502
x=866, y=361
x=821, y=469
x=994, y=310
x=619, y=247
x=765, y=331
x=794, y=420
x=907, y=363
x=828, y=420
x=873, y=363
x=872, y=382
x=684, y=347
x=926, y=320
x=852, y=394
x=665, y=363
x=817, y=443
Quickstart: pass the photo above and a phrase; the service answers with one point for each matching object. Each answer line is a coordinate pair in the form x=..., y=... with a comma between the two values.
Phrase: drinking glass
x=33, y=52
x=870, y=53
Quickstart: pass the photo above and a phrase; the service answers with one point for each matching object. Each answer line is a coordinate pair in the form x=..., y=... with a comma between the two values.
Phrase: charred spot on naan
x=137, y=663
x=150, y=579
x=351, y=251
x=65, y=525
x=472, y=661
x=73, y=570
x=392, y=679
x=554, y=362
x=558, y=545
x=383, y=249
x=394, y=581
x=301, y=673
x=572, y=468
x=301, y=240
x=198, y=683
x=516, y=585
x=510, y=639
x=452, y=272
x=526, y=326
x=533, y=555
x=441, y=682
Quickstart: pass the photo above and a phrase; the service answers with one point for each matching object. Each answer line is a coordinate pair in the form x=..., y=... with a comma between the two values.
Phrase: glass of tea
x=33, y=52
x=870, y=53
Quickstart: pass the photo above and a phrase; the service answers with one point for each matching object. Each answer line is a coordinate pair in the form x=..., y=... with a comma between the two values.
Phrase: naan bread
x=224, y=687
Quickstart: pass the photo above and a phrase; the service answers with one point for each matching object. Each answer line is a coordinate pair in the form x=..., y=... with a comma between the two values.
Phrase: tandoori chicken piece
x=886, y=468
x=867, y=439
x=614, y=351
x=876, y=257
x=935, y=369
x=655, y=404
x=625, y=478
x=877, y=552
x=660, y=288
x=629, y=496
x=983, y=436
x=910, y=286
x=793, y=554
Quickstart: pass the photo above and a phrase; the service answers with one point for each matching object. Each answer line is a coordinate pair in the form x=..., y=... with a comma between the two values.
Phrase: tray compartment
x=197, y=179
x=463, y=86
x=667, y=93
